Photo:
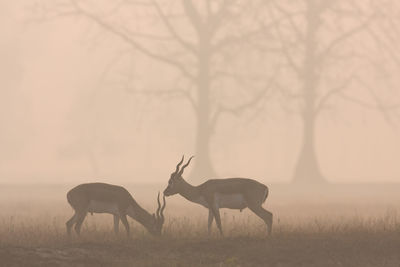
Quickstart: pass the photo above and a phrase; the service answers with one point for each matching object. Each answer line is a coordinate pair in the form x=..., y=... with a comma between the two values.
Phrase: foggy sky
x=61, y=97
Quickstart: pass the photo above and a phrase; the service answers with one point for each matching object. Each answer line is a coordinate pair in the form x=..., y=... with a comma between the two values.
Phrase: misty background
x=117, y=91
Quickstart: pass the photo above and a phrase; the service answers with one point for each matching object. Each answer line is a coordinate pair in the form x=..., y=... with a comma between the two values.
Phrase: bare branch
x=289, y=16
x=288, y=55
x=335, y=91
x=234, y=40
x=360, y=102
x=238, y=110
x=214, y=20
x=125, y=37
x=193, y=15
x=379, y=105
x=172, y=30
x=385, y=47
x=333, y=44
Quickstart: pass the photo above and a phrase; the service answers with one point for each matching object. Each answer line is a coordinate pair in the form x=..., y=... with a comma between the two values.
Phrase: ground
x=348, y=225
x=298, y=250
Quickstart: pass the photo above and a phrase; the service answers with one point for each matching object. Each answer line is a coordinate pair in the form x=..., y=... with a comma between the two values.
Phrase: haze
x=79, y=104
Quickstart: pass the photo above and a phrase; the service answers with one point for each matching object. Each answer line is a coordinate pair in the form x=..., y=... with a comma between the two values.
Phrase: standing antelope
x=231, y=193
x=113, y=199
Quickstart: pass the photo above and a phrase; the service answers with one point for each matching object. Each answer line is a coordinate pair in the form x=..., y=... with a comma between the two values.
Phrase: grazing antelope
x=231, y=193
x=113, y=199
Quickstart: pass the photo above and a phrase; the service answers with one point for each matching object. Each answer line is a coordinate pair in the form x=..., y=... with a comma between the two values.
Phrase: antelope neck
x=189, y=191
x=141, y=215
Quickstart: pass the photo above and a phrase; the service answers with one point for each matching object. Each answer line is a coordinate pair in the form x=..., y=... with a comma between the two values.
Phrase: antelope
x=231, y=193
x=115, y=200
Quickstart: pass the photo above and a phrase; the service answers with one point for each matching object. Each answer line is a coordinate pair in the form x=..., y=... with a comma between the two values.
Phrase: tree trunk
x=307, y=170
x=203, y=168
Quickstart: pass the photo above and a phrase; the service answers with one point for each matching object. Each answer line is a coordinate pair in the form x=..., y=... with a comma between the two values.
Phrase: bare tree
x=201, y=40
x=322, y=44
x=385, y=35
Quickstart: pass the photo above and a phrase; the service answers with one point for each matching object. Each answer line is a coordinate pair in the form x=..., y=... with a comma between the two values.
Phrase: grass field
x=352, y=225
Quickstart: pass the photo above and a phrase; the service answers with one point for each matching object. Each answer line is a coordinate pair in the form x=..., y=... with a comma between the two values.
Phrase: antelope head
x=176, y=181
x=158, y=217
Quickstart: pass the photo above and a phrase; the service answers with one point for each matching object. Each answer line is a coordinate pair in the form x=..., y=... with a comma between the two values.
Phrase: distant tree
x=205, y=42
x=323, y=43
x=385, y=35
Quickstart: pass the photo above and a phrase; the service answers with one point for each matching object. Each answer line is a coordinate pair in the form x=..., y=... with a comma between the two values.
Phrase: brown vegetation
x=324, y=229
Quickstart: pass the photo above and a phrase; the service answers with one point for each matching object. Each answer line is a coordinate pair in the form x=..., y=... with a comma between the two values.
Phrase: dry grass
x=310, y=229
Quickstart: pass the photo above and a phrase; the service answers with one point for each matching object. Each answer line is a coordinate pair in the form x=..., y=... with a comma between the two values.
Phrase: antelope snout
x=167, y=192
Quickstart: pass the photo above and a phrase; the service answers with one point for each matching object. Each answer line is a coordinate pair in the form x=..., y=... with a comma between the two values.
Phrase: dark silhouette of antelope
x=231, y=193
x=113, y=199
